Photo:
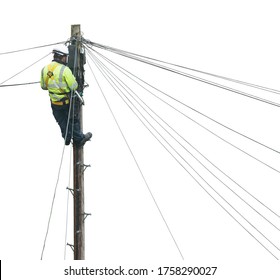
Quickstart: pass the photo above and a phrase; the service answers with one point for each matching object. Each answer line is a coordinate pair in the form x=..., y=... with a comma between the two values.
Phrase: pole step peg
x=71, y=246
x=86, y=215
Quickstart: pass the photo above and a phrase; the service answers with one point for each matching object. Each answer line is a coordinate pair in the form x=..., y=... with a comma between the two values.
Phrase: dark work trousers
x=60, y=113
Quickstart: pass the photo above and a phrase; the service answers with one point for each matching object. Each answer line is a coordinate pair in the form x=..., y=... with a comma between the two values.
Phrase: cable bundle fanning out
x=257, y=218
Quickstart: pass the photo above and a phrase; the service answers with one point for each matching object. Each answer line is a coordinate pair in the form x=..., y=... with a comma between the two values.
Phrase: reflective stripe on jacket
x=58, y=80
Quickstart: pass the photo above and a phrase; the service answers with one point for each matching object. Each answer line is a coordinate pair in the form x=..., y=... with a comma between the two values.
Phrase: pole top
x=75, y=30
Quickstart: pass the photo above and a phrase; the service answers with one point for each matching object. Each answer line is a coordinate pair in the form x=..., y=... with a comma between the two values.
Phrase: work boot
x=86, y=138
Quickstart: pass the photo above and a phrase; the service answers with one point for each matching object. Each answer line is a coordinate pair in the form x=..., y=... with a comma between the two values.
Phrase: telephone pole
x=76, y=64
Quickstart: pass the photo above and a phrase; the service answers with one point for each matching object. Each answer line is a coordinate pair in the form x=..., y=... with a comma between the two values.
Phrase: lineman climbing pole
x=76, y=64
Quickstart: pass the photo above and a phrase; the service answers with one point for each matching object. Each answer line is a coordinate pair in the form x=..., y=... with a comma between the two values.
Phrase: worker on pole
x=58, y=79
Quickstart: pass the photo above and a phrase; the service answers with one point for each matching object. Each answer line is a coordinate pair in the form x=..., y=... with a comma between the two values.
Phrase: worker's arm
x=43, y=84
x=70, y=79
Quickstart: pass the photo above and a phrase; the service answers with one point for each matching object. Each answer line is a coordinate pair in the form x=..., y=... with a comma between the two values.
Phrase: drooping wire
x=138, y=167
x=32, y=48
x=121, y=82
x=124, y=71
x=128, y=55
x=99, y=67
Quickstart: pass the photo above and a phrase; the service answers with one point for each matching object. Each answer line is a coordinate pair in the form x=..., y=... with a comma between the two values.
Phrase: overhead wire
x=141, y=59
x=21, y=50
x=213, y=133
x=52, y=204
x=205, y=128
x=25, y=69
x=229, y=213
x=31, y=48
x=112, y=74
x=124, y=71
x=225, y=78
x=138, y=167
x=21, y=84
x=215, y=191
x=189, y=107
x=205, y=182
x=187, y=68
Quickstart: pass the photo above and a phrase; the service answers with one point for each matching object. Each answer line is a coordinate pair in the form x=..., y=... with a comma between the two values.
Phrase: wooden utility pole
x=78, y=60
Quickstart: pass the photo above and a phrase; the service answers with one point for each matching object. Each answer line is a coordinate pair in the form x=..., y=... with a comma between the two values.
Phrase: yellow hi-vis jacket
x=58, y=80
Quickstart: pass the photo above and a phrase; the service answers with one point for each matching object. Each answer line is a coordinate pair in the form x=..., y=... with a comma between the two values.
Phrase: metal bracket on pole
x=71, y=190
x=84, y=166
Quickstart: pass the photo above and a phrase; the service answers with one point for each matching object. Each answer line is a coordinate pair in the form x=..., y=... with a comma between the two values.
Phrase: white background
x=237, y=39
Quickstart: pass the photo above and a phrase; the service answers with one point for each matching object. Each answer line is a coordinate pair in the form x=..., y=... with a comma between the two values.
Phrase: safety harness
x=50, y=75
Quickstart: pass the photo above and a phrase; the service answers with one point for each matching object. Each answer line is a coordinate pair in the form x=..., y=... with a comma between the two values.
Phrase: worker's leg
x=61, y=116
x=78, y=136
x=75, y=128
